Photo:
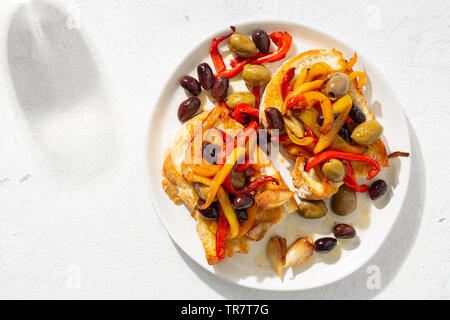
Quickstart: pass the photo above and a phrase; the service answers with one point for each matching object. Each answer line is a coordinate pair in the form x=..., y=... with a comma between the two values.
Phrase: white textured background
x=75, y=99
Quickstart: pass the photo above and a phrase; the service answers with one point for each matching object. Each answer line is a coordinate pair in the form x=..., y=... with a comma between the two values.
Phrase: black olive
x=191, y=84
x=377, y=189
x=211, y=152
x=241, y=215
x=243, y=201
x=325, y=244
x=210, y=213
x=274, y=119
x=205, y=75
x=357, y=115
x=344, y=132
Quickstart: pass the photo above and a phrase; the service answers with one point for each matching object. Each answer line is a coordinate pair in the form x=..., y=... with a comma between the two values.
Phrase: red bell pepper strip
x=350, y=180
x=331, y=154
x=216, y=57
x=285, y=83
x=229, y=187
x=292, y=101
x=257, y=183
x=243, y=111
x=225, y=136
x=257, y=93
x=282, y=39
x=221, y=235
x=243, y=166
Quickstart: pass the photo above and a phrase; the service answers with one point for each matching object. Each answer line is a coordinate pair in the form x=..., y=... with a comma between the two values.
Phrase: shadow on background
x=60, y=91
x=401, y=239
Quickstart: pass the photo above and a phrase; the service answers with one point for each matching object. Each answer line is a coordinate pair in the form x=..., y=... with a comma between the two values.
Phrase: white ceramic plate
x=373, y=220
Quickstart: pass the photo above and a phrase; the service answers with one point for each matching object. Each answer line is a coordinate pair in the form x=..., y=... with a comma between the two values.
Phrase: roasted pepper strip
x=326, y=140
x=362, y=80
x=221, y=175
x=257, y=93
x=301, y=78
x=257, y=183
x=327, y=155
x=291, y=101
x=229, y=187
x=221, y=235
x=285, y=83
x=350, y=180
x=225, y=204
x=216, y=57
x=282, y=39
x=299, y=141
x=325, y=105
x=243, y=111
x=242, y=167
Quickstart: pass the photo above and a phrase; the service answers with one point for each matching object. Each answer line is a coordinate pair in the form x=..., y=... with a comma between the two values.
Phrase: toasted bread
x=313, y=185
x=180, y=191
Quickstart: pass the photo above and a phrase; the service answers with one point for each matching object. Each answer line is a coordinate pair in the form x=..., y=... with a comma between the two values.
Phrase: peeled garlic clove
x=276, y=251
x=300, y=251
x=270, y=199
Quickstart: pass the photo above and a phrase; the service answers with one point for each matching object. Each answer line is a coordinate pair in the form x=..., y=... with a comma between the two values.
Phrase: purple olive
x=220, y=88
x=344, y=132
x=191, y=84
x=188, y=108
x=357, y=115
x=377, y=189
x=325, y=244
x=243, y=201
x=210, y=213
x=274, y=119
x=262, y=40
x=344, y=231
x=241, y=215
x=205, y=76
x=211, y=152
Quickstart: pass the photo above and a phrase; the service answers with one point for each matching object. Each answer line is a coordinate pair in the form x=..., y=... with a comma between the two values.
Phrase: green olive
x=367, y=132
x=334, y=170
x=344, y=201
x=237, y=179
x=256, y=75
x=240, y=97
x=337, y=86
x=242, y=46
x=312, y=209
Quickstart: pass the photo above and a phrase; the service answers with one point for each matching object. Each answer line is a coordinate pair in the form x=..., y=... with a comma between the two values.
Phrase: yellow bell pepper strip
x=361, y=76
x=247, y=225
x=341, y=145
x=330, y=154
x=301, y=79
x=221, y=175
x=351, y=62
x=225, y=204
x=309, y=117
x=325, y=105
x=342, y=104
x=317, y=70
x=221, y=235
x=326, y=140
x=204, y=169
x=296, y=96
x=193, y=177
